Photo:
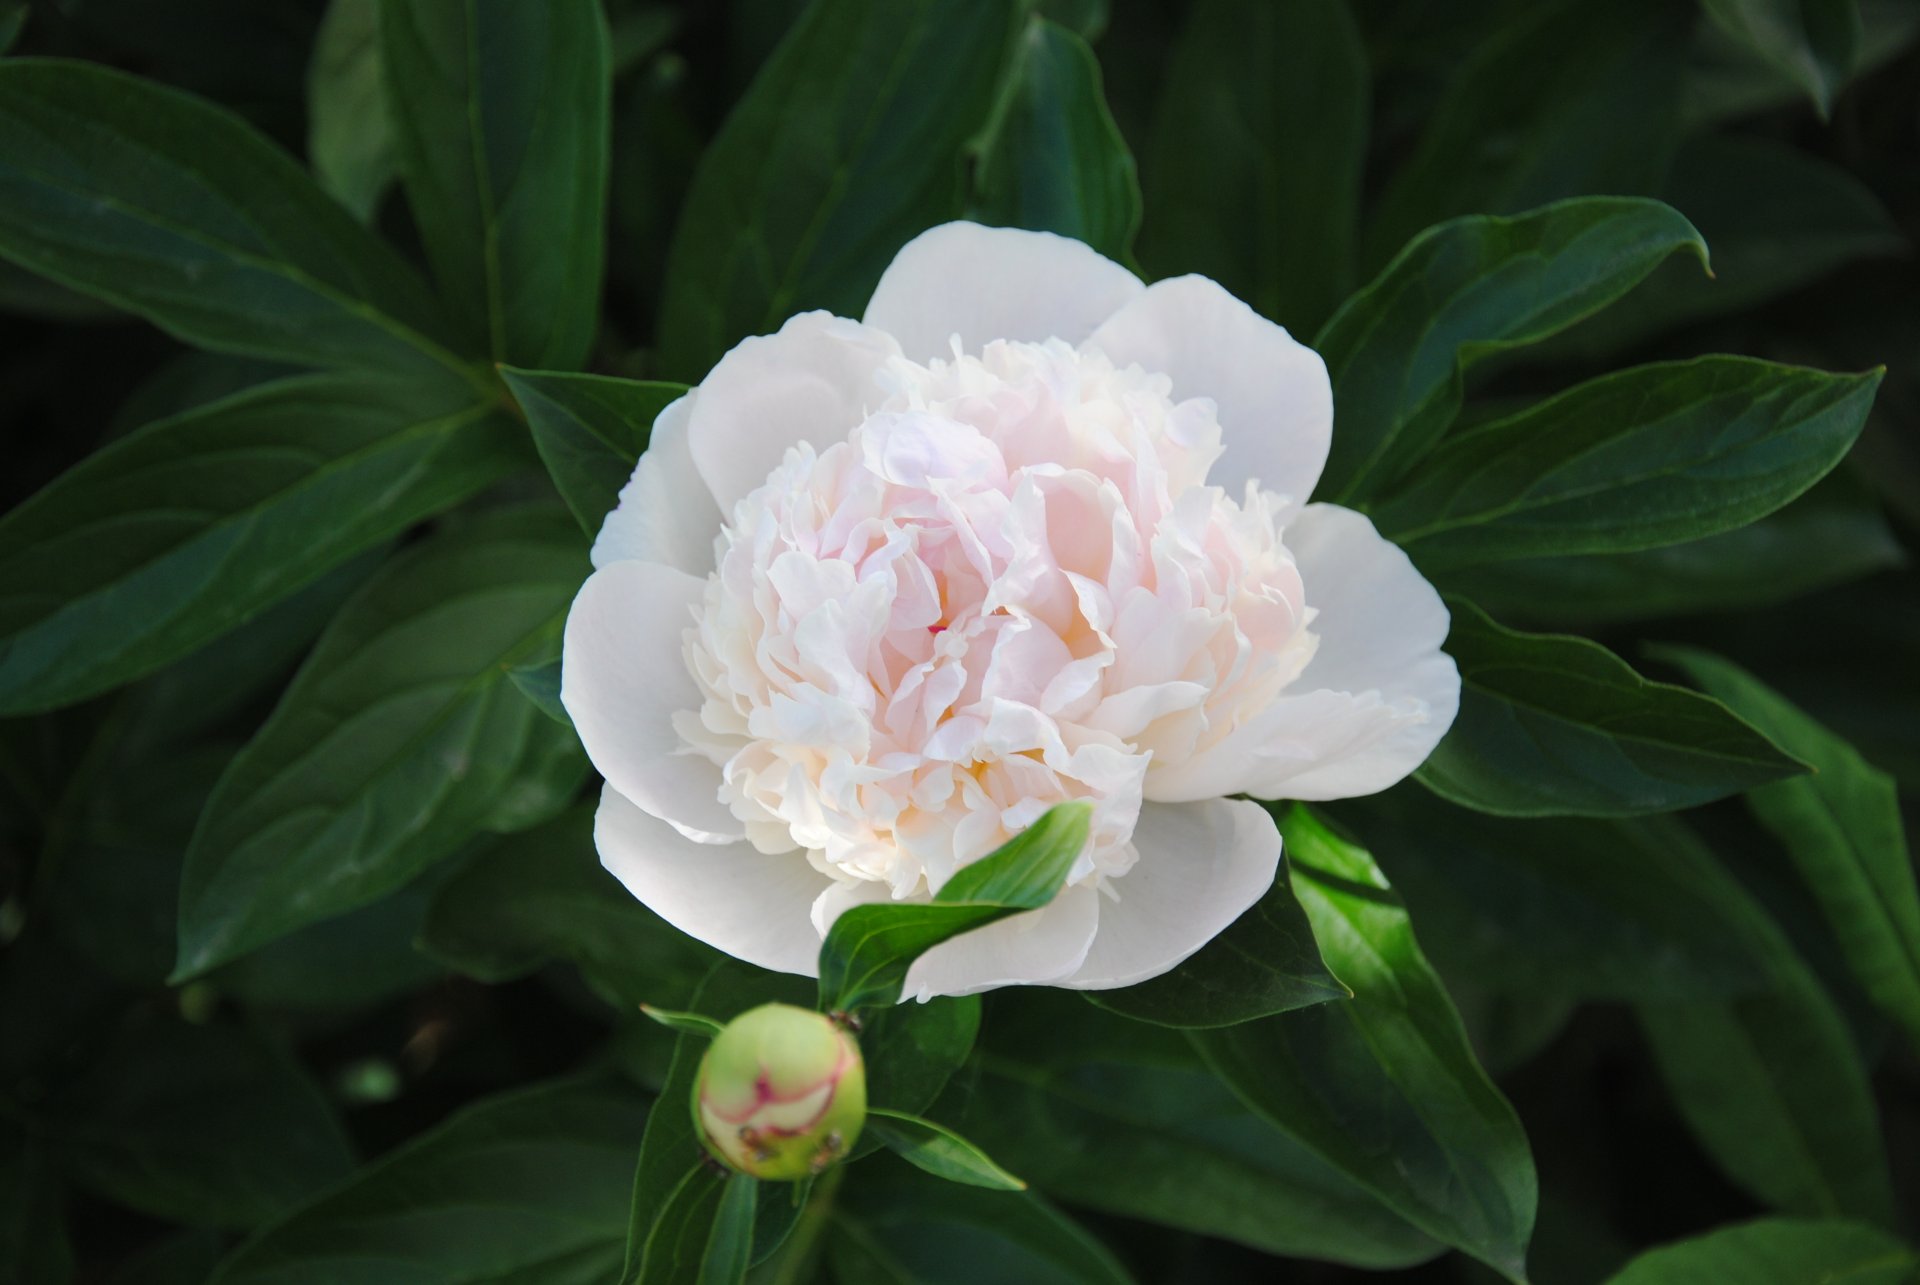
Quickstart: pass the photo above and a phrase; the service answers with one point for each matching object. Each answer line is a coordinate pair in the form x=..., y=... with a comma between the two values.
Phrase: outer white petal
x=665, y=514
x=811, y=382
x=1201, y=865
x=1037, y=947
x=731, y=896
x=986, y=283
x=622, y=679
x=1376, y=698
x=1275, y=403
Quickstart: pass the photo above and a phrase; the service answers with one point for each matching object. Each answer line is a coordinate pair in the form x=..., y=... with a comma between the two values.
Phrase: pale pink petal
x=1201, y=865
x=622, y=680
x=984, y=283
x=1376, y=698
x=665, y=514
x=751, y=905
x=1274, y=402
x=812, y=382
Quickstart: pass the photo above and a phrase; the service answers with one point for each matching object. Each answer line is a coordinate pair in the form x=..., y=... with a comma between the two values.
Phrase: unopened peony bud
x=781, y=1093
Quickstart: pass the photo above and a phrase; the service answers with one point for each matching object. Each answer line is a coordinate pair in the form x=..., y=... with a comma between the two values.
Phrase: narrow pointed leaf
x=1814, y=43
x=1460, y=292
x=1266, y=962
x=541, y=685
x=1552, y=725
x=939, y=1151
x=1770, y=1080
x=590, y=430
x=1777, y=1251
x=177, y=533
x=1385, y=1087
x=350, y=141
x=847, y=144
x=685, y=1023
x=866, y=956
x=1643, y=458
x=399, y=739
x=170, y=207
x=1055, y=161
x=502, y=116
x=1841, y=825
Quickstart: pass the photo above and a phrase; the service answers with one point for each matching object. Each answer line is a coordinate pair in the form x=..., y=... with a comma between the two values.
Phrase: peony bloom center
x=1008, y=587
x=881, y=592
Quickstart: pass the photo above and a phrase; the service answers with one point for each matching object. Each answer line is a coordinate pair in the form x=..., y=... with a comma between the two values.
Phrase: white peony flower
x=882, y=592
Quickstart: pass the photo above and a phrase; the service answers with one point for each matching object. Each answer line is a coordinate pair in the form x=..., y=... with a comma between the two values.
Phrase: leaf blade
x=501, y=114
x=387, y=748
x=938, y=1150
x=1459, y=292
x=1385, y=1086
x=109, y=187
x=1553, y=725
x=1640, y=459
x=177, y=533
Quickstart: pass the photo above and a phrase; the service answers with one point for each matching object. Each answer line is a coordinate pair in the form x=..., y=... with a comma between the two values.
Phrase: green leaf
x=397, y=741
x=687, y=1229
x=1771, y=1082
x=1831, y=535
x=590, y=430
x=1398, y=350
x=1815, y=43
x=541, y=685
x=730, y=1244
x=502, y=116
x=350, y=142
x=1552, y=725
x=1253, y=177
x=198, y=1124
x=1841, y=826
x=865, y=958
x=1124, y=1118
x=528, y=1187
x=686, y=1023
x=1564, y=99
x=1054, y=160
x=1777, y=1251
x=1653, y=456
x=1560, y=906
x=542, y=894
x=892, y=1226
x=848, y=143
x=1385, y=1087
x=1265, y=962
x=167, y=206
x=178, y=533
x=939, y=1150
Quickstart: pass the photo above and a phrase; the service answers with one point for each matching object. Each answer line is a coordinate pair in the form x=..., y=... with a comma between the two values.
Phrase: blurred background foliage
x=463, y=1026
